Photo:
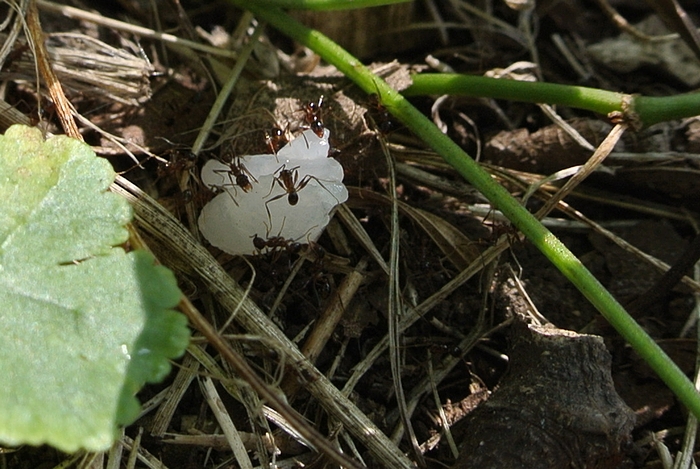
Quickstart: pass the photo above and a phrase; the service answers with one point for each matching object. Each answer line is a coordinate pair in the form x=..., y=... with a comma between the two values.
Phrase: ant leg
x=219, y=189
x=306, y=179
x=267, y=209
x=276, y=178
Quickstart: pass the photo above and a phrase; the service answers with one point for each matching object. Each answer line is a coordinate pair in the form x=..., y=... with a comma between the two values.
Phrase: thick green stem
x=544, y=240
x=649, y=110
x=653, y=109
x=532, y=92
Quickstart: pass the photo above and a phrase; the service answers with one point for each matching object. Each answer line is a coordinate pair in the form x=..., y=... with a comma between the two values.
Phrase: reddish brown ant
x=380, y=117
x=319, y=282
x=181, y=160
x=288, y=179
x=239, y=173
x=275, y=139
x=313, y=116
x=277, y=242
x=243, y=176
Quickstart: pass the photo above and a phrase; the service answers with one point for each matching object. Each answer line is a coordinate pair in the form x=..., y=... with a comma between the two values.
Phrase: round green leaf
x=83, y=323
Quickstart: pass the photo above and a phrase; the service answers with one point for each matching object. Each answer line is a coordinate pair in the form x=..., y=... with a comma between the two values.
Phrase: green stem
x=650, y=110
x=653, y=109
x=327, y=4
x=544, y=240
x=592, y=99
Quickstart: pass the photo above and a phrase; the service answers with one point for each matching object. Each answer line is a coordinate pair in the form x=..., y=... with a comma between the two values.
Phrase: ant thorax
x=291, y=195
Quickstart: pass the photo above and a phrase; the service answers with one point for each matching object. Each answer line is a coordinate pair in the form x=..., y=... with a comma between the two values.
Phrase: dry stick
x=623, y=24
x=264, y=444
x=176, y=391
x=161, y=225
x=326, y=323
x=63, y=107
x=354, y=225
x=9, y=115
x=142, y=453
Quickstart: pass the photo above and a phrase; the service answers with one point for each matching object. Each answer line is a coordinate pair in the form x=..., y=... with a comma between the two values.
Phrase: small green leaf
x=84, y=325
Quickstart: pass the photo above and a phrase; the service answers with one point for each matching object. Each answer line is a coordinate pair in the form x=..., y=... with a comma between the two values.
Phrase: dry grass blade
x=92, y=68
x=14, y=16
x=594, y=161
x=455, y=245
x=331, y=315
x=438, y=405
x=145, y=457
x=10, y=115
x=656, y=263
x=232, y=437
x=395, y=309
x=327, y=323
x=79, y=14
x=622, y=23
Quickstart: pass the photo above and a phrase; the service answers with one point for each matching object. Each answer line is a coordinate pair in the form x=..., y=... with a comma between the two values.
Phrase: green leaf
x=83, y=324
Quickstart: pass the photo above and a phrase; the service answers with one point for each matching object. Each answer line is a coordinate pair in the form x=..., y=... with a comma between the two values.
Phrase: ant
x=275, y=139
x=276, y=242
x=181, y=160
x=313, y=116
x=242, y=176
x=381, y=118
x=288, y=179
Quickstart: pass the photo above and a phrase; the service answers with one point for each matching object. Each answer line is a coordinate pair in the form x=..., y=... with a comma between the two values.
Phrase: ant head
x=314, y=106
x=317, y=128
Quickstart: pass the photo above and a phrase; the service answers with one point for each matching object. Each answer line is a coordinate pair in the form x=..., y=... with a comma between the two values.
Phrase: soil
x=525, y=370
